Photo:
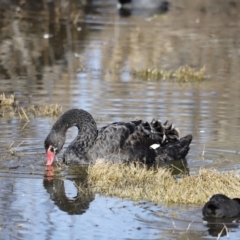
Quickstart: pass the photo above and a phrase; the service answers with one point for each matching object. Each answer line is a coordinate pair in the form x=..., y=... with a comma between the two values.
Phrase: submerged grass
x=10, y=106
x=183, y=74
x=138, y=182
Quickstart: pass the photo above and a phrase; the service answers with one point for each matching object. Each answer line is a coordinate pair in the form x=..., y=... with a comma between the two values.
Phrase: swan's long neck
x=87, y=128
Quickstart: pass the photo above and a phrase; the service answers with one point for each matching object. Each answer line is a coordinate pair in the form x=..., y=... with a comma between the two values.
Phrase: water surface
x=86, y=60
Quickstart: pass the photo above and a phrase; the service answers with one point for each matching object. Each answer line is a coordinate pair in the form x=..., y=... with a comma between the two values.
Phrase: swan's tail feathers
x=174, y=150
x=167, y=132
x=184, y=145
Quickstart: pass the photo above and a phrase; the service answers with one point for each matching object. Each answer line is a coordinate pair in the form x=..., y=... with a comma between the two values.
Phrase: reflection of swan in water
x=223, y=226
x=76, y=205
x=80, y=203
x=177, y=167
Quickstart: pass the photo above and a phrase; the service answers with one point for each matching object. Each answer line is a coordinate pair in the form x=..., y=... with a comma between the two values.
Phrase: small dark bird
x=148, y=143
x=221, y=206
x=161, y=5
x=124, y=1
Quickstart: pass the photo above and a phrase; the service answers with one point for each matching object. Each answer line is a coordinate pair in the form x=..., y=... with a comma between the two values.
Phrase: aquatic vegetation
x=183, y=74
x=44, y=111
x=137, y=182
x=6, y=101
x=10, y=106
x=39, y=111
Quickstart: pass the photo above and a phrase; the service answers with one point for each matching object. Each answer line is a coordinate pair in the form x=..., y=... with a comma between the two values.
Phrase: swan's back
x=132, y=139
x=129, y=134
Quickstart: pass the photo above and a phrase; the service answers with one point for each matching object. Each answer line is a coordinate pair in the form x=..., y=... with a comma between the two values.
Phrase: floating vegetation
x=137, y=182
x=44, y=111
x=6, y=101
x=183, y=74
x=9, y=106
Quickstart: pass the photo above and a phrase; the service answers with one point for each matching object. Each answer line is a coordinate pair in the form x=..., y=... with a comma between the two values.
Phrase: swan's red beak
x=50, y=156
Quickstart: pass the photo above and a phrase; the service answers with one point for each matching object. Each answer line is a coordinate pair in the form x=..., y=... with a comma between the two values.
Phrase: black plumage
x=221, y=206
x=161, y=5
x=116, y=142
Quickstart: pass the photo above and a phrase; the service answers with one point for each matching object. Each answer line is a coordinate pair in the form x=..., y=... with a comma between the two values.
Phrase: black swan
x=116, y=142
x=161, y=5
x=73, y=206
x=221, y=206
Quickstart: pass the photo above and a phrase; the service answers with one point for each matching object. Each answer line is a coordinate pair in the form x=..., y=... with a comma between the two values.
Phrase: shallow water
x=88, y=62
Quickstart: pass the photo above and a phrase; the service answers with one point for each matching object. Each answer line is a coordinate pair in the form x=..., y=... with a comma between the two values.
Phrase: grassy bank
x=159, y=185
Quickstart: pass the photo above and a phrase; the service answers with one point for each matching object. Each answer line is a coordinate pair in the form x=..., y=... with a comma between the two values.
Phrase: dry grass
x=183, y=74
x=159, y=185
x=47, y=110
x=6, y=101
x=10, y=107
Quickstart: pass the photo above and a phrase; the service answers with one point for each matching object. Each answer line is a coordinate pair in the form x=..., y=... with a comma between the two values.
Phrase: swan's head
x=53, y=145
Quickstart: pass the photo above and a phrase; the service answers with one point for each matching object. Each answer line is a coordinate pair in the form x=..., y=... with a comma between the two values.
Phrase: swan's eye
x=51, y=149
x=54, y=149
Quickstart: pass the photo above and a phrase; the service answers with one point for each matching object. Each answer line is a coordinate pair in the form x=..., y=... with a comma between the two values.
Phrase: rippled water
x=87, y=62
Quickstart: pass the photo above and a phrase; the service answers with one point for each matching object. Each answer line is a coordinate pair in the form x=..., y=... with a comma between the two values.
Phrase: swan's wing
x=114, y=136
x=137, y=134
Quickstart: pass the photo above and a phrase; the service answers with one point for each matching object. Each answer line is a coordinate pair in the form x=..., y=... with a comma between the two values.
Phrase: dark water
x=85, y=59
